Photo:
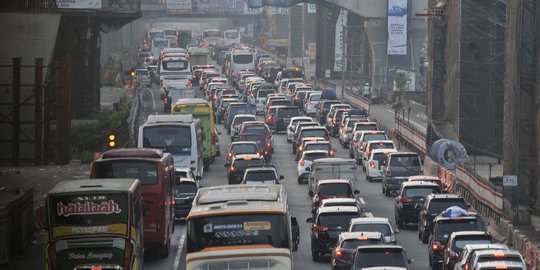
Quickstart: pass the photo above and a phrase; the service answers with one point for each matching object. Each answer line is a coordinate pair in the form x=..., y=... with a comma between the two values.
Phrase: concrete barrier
x=16, y=222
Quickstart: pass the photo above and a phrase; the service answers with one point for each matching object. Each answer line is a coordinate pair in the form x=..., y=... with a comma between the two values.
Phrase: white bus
x=241, y=60
x=180, y=135
x=211, y=36
x=231, y=37
x=174, y=65
x=247, y=225
x=159, y=44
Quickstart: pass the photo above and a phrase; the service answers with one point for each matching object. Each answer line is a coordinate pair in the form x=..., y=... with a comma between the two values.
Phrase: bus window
x=175, y=65
x=145, y=171
x=242, y=58
x=171, y=138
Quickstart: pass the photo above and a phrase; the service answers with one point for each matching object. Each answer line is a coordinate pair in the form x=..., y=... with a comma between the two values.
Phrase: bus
x=92, y=223
x=211, y=37
x=202, y=110
x=154, y=169
x=180, y=135
x=153, y=34
x=248, y=225
x=241, y=60
x=231, y=37
x=174, y=65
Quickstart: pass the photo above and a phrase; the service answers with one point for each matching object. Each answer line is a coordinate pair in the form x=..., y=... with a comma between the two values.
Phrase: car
x=348, y=243
x=299, y=96
x=384, y=256
x=458, y=240
x=376, y=144
x=398, y=168
x=301, y=125
x=237, y=122
x=428, y=178
x=260, y=99
x=143, y=77
x=261, y=175
x=239, y=163
x=363, y=138
x=242, y=148
x=374, y=224
x=326, y=226
x=233, y=110
x=222, y=108
x=292, y=125
x=453, y=219
x=309, y=132
x=310, y=103
x=302, y=143
x=409, y=201
x=276, y=102
x=495, y=257
x=374, y=164
x=259, y=127
x=341, y=202
x=332, y=168
x=432, y=207
x=261, y=142
x=185, y=190
x=322, y=109
x=331, y=188
x=334, y=120
x=495, y=265
x=346, y=129
x=270, y=116
x=208, y=73
x=470, y=249
x=304, y=164
x=317, y=144
x=283, y=117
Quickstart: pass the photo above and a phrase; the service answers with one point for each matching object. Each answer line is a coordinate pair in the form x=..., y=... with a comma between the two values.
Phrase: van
x=154, y=169
x=241, y=59
x=180, y=135
x=333, y=168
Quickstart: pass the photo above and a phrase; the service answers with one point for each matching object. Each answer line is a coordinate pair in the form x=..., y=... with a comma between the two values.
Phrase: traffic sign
x=312, y=8
x=510, y=180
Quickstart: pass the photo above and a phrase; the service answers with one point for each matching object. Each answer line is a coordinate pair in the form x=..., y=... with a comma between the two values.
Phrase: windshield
x=175, y=65
x=239, y=120
x=254, y=129
x=211, y=33
x=314, y=133
x=335, y=189
x=444, y=229
x=161, y=43
x=317, y=146
x=260, y=175
x=380, y=157
x=336, y=219
x=88, y=209
x=373, y=227
x=145, y=171
x=380, y=257
x=234, y=230
x=405, y=160
x=374, y=137
x=315, y=97
x=242, y=164
x=437, y=206
x=185, y=189
x=461, y=243
x=354, y=243
x=242, y=58
x=171, y=138
x=419, y=191
x=264, y=93
x=170, y=32
x=335, y=171
x=259, y=139
x=361, y=127
x=314, y=156
x=280, y=102
x=232, y=34
x=292, y=73
x=239, y=149
x=374, y=146
x=288, y=112
x=157, y=34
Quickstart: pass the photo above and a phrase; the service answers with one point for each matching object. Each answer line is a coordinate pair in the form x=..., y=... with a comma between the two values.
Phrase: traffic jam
x=236, y=112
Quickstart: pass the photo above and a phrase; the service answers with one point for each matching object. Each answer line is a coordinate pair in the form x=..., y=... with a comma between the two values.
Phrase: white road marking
x=153, y=98
x=176, y=263
x=362, y=201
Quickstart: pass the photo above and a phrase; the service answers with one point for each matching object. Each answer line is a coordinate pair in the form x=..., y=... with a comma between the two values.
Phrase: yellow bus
x=202, y=110
x=241, y=225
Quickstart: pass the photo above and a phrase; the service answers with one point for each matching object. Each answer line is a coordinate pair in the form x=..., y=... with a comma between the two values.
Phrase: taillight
x=331, y=152
x=361, y=145
x=319, y=229
x=436, y=246
x=266, y=153
x=334, y=121
x=127, y=255
x=268, y=145
x=52, y=256
x=405, y=200
x=300, y=148
x=372, y=164
x=327, y=138
x=340, y=252
x=302, y=162
x=166, y=100
x=232, y=169
x=229, y=154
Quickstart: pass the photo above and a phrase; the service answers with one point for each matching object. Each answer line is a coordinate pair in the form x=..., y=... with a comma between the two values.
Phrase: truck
x=199, y=56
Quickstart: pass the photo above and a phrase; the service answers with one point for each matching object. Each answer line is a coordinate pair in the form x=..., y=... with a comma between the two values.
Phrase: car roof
x=424, y=178
x=243, y=156
x=373, y=220
x=330, y=200
x=186, y=180
x=380, y=247
x=355, y=235
x=337, y=209
x=467, y=233
x=380, y=141
x=313, y=127
x=336, y=160
x=485, y=246
x=261, y=123
x=384, y=150
x=419, y=184
x=494, y=264
x=315, y=152
x=317, y=142
x=488, y=252
x=399, y=153
x=301, y=117
x=243, y=142
x=444, y=196
x=245, y=115
x=333, y=181
x=262, y=168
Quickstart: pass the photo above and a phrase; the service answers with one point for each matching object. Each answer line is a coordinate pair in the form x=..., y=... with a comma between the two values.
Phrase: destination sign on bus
x=87, y=208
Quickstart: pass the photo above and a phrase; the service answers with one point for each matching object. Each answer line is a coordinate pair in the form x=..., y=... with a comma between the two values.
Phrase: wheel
x=164, y=251
x=419, y=234
x=300, y=180
x=383, y=190
x=425, y=237
x=315, y=256
x=387, y=193
x=368, y=179
x=400, y=224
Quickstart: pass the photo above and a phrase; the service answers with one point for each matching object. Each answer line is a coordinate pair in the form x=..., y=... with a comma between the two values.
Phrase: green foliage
x=92, y=136
x=400, y=79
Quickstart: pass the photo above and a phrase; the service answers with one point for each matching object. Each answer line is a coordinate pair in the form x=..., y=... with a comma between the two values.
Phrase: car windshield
x=380, y=257
x=314, y=133
x=242, y=164
x=380, y=157
x=260, y=175
x=420, y=191
x=239, y=120
x=185, y=189
x=335, y=189
x=365, y=127
x=336, y=219
x=242, y=58
x=288, y=112
x=280, y=102
x=239, y=149
x=315, y=97
x=405, y=160
x=437, y=206
x=317, y=146
x=374, y=137
x=254, y=129
x=171, y=138
x=383, y=228
x=447, y=227
x=264, y=93
x=354, y=243
x=259, y=139
x=374, y=146
x=461, y=243
x=314, y=156
x=145, y=171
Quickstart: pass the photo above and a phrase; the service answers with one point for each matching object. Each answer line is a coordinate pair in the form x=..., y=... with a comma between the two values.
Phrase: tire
x=400, y=224
x=383, y=191
x=387, y=193
x=368, y=179
x=419, y=234
x=425, y=238
x=300, y=180
x=164, y=250
x=315, y=256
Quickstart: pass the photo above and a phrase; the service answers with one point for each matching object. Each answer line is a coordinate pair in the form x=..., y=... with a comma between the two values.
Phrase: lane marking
x=176, y=263
x=153, y=98
x=362, y=200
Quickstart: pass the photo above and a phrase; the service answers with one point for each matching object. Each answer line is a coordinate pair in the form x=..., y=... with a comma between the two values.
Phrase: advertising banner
x=340, y=39
x=78, y=4
x=397, y=27
x=179, y=6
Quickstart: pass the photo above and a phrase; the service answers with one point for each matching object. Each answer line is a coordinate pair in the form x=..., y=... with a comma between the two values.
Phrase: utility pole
x=344, y=58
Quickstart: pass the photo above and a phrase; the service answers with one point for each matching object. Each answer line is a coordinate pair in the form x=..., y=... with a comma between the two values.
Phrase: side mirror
x=356, y=192
x=281, y=177
x=397, y=231
x=310, y=193
x=410, y=261
x=309, y=220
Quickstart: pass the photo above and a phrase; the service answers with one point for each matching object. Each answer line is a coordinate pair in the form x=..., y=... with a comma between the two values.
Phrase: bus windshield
x=231, y=34
x=175, y=65
x=211, y=33
x=171, y=138
x=88, y=210
x=145, y=171
x=242, y=58
x=156, y=34
x=233, y=230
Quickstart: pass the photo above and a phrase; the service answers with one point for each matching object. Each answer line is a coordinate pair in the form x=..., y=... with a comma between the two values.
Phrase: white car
x=374, y=224
x=306, y=161
x=364, y=138
x=471, y=248
x=310, y=103
x=374, y=162
x=238, y=120
x=372, y=145
x=292, y=125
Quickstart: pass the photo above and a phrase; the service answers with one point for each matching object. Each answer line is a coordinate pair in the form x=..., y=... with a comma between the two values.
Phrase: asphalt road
x=298, y=199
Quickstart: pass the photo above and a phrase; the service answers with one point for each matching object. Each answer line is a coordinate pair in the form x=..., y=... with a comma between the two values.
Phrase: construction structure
x=521, y=114
x=465, y=88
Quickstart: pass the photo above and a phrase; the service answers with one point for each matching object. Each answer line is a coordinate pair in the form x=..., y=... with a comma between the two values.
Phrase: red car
x=259, y=127
x=270, y=116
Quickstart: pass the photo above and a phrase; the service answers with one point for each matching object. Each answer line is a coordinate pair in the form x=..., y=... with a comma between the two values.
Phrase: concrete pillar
x=295, y=33
x=376, y=30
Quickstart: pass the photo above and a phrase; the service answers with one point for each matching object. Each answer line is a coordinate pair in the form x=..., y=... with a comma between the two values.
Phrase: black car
x=328, y=223
x=381, y=255
x=239, y=163
x=348, y=243
x=433, y=206
x=283, y=117
x=444, y=225
x=458, y=240
x=397, y=169
x=259, y=139
x=410, y=199
x=309, y=132
x=185, y=190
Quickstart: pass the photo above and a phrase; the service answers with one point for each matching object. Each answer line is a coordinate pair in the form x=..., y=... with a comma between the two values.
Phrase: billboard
x=179, y=6
x=78, y=4
x=341, y=23
x=397, y=27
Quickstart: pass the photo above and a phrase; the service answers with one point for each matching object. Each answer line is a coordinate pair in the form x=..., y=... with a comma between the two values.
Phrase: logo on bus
x=88, y=208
